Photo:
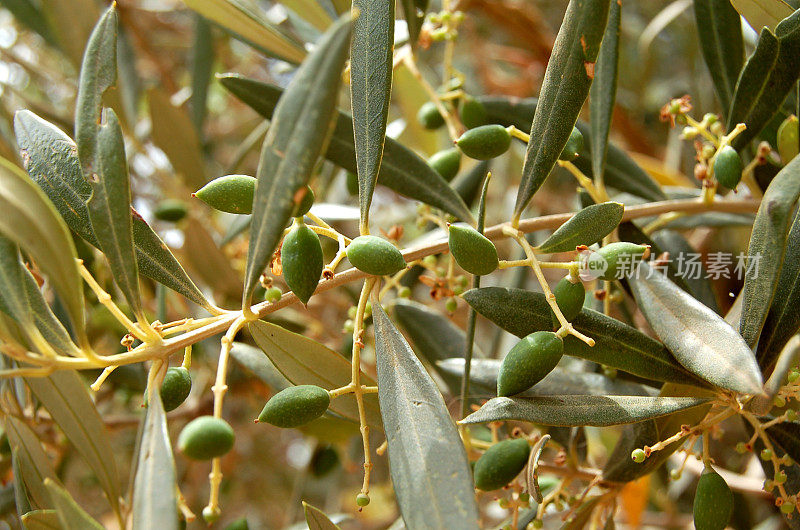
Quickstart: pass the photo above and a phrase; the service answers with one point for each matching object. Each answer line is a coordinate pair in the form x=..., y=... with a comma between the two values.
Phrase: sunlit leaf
x=371, y=88
x=760, y=13
x=586, y=227
x=72, y=516
x=41, y=520
x=719, y=28
x=698, y=338
x=401, y=169
x=567, y=79
x=603, y=93
x=300, y=131
x=316, y=519
x=430, y=472
x=767, y=249
x=154, y=502
x=306, y=362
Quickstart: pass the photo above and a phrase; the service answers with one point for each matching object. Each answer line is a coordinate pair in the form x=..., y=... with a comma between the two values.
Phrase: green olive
x=485, y=142
x=573, y=146
x=473, y=113
x=620, y=259
x=788, y=139
x=375, y=256
x=205, y=438
x=713, y=501
x=429, y=116
x=302, y=261
x=501, y=463
x=170, y=210
x=295, y=406
x=231, y=194
x=569, y=297
x=528, y=362
x=728, y=167
x=472, y=250
x=306, y=202
x=324, y=460
x=446, y=163
x=176, y=387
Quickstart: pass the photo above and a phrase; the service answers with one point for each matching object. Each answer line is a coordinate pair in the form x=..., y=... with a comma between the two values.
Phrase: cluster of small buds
x=444, y=25
x=676, y=110
x=350, y=324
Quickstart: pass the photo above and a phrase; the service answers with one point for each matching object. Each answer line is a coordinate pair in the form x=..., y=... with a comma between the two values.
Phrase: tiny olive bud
x=766, y=454
x=451, y=305
x=362, y=499
x=787, y=508
x=273, y=294
x=638, y=456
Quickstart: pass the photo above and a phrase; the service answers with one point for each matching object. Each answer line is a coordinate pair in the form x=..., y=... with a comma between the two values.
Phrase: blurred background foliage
x=183, y=129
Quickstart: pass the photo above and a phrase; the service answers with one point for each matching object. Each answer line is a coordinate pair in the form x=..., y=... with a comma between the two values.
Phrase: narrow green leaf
x=34, y=464
x=617, y=345
x=72, y=22
x=571, y=411
x=566, y=84
x=51, y=159
x=766, y=79
x=243, y=20
x=202, y=66
x=311, y=11
x=175, y=134
x=760, y=13
x=300, y=131
x=698, y=338
x=371, y=88
x=29, y=14
x=414, y=13
x=306, y=362
x=430, y=472
x=719, y=28
x=154, y=501
x=98, y=74
x=209, y=264
x=434, y=336
x=621, y=171
x=254, y=360
x=483, y=375
x=65, y=397
x=586, y=227
x=783, y=318
x=41, y=520
x=767, y=249
x=316, y=519
x=72, y=516
x=603, y=93
x=30, y=220
x=401, y=169
x=109, y=210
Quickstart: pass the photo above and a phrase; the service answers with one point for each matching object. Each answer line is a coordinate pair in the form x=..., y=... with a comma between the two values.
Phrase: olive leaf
x=41, y=520
x=698, y=284
x=247, y=24
x=567, y=79
x=71, y=516
x=202, y=67
x=311, y=11
x=109, y=210
x=783, y=317
x=719, y=28
x=531, y=475
x=401, y=170
x=371, y=88
x=414, y=12
x=767, y=249
x=621, y=171
x=698, y=338
x=316, y=519
x=31, y=15
x=254, y=360
x=617, y=345
x=300, y=131
x=51, y=160
x=766, y=79
x=603, y=92
x=30, y=221
x=586, y=227
x=560, y=381
x=34, y=464
x=760, y=13
x=154, y=501
x=98, y=74
x=64, y=395
x=429, y=468
x=306, y=362
x=571, y=411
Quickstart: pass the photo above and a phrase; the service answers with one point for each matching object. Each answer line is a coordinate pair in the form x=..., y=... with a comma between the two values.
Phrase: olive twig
x=355, y=377
x=586, y=183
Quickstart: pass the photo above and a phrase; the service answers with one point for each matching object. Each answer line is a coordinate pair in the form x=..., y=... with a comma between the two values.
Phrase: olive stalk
x=358, y=344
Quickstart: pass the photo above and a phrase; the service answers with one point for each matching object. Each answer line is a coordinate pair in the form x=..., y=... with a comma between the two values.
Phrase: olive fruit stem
x=702, y=129
x=101, y=378
x=355, y=376
x=597, y=195
x=519, y=135
x=394, y=281
x=350, y=389
x=452, y=122
x=693, y=431
x=566, y=328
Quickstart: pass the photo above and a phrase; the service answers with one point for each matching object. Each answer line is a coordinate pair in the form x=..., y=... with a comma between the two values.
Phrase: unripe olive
x=375, y=256
x=621, y=258
x=295, y=406
x=324, y=460
x=473, y=251
x=273, y=294
x=728, y=167
x=231, y=193
x=171, y=210
x=713, y=502
x=473, y=113
x=429, y=116
x=302, y=261
x=446, y=163
x=176, y=387
x=501, y=463
x=211, y=515
x=569, y=297
x=205, y=438
x=573, y=146
x=788, y=139
x=528, y=362
x=305, y=204
x=362, y=499
x=485, y=142
x=638, y=455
